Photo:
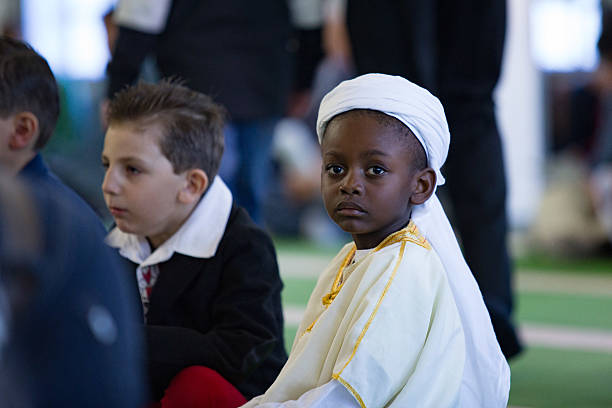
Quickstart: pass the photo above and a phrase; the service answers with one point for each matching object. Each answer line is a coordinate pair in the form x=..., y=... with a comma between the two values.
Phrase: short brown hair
x=192, y=123
x=27, y=84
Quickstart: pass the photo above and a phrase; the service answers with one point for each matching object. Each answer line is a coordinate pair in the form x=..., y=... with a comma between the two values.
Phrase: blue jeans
x=246, y=164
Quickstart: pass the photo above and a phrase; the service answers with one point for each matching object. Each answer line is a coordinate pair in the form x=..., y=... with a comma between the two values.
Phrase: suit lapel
x=175, y=275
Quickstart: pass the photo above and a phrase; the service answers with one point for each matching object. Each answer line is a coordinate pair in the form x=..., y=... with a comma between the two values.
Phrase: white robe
x=392, y=336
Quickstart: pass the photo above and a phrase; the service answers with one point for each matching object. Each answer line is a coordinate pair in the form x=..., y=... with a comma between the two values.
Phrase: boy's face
x=140, y=187
x=367, y=178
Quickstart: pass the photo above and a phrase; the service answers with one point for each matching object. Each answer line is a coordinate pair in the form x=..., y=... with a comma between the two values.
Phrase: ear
x=425, y=184
x=196, y=182
x=25, y=131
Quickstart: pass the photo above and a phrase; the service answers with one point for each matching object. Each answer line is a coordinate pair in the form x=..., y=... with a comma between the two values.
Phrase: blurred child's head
x=162, y=151
x=374, y=172
x=383, y=142
x=29, y=106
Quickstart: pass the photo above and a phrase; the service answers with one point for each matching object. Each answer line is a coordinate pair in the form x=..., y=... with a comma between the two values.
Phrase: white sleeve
x=143, y=15
x=331, y=394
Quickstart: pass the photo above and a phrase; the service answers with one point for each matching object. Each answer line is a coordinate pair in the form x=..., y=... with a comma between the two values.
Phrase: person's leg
x=201, y=387
x=477, y=188
x=254, y=143
x=471, y=39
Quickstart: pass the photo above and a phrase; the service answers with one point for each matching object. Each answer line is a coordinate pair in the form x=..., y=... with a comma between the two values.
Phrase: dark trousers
x=454, y=49
x=246, y=164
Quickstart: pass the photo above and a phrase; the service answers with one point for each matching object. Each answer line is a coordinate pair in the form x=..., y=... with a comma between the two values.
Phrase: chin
x=124, y=227
x=352, y=226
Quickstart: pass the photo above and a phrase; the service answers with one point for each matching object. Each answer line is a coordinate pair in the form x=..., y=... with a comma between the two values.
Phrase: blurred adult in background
x=67, y=332
x=10, y=18
x=323, y=60
x=236, y=51
x=455, y=50
x=582, y=162
x=601, y=175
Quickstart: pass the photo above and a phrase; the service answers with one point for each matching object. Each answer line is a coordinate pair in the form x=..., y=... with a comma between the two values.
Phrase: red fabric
x=146, y=274
x=201, y=387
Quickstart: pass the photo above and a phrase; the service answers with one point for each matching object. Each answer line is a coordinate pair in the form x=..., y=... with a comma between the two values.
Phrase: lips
x=349, y=208
x=116, y=210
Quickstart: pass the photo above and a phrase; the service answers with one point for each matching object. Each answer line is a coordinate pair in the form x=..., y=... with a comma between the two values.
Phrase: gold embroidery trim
x=409, y=234
x=401, y=235
x=337, y=285
x=309, y=328
x=351, y=389
x=371, y=318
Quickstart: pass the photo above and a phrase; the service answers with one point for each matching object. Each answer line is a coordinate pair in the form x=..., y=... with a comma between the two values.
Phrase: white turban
x=412, y=105
x=486, y=375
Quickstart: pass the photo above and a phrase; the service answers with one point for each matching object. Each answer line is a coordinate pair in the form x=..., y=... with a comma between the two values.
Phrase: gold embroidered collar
x=410, y=234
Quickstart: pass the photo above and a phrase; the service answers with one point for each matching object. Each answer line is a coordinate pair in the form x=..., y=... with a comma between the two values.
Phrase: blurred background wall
x=550, y=49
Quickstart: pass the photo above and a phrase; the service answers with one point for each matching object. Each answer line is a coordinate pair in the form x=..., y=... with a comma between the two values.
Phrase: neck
x=156, y=240
x=368, y=241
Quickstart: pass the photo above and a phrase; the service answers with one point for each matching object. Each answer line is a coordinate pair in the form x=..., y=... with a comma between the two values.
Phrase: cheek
x=391, y=202
x=161, y=202
x=327, y=193
x=151, y=202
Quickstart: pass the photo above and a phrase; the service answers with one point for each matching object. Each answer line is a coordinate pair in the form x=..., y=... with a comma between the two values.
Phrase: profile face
x=367, y=177
x=140, y=187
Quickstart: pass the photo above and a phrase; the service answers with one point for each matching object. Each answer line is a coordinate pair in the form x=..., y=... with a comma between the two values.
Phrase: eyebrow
x=127, y=159
x=366, y=154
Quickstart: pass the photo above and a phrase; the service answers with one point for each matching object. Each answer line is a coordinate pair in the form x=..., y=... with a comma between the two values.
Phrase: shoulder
x=241, y=231
x=81, y=215
x=423, y=267
x=246, y=244
x=44, y=181
x=412, y=272
x=412, y=253
x=421, y=257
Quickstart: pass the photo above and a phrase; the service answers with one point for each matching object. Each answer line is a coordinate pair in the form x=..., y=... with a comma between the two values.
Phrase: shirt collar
x=198, y=237
x=360, y=254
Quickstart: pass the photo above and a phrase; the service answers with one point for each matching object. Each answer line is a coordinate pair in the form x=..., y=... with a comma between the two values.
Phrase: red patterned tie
x=146, y=274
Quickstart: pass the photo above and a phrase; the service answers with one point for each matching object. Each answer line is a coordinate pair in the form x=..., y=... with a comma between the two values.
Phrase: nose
x=110, y=185
x=352, y=184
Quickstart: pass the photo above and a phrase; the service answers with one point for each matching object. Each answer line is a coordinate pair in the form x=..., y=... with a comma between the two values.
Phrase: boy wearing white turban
x=396, y=319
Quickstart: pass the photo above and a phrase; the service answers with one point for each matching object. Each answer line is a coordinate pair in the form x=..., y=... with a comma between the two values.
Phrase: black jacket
x=222, y=312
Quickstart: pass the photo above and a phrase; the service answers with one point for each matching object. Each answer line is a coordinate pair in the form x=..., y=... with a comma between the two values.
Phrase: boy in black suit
x=207, y=276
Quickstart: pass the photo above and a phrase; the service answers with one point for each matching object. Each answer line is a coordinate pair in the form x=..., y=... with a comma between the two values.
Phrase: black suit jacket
x=222, y=312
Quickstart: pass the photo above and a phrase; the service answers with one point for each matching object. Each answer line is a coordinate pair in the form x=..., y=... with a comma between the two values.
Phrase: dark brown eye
x=376, y=171
x=334, y=169
x=132, y=170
